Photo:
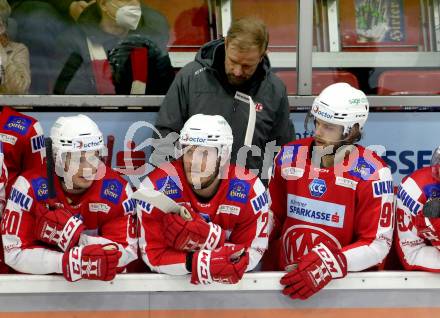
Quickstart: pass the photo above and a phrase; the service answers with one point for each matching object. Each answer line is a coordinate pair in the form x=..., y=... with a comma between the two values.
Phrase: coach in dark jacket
x=209, y=85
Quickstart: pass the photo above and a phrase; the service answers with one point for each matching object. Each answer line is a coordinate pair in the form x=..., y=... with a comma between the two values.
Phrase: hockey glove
x=192, y=235
x=314, y=270
x=58, y=227
x=224, y=265
x=431, y=209
x=97, y=261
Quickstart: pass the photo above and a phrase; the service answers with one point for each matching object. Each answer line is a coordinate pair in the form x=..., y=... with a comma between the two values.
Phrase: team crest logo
x=317, y=187
x=259, y=107
x=298, y=240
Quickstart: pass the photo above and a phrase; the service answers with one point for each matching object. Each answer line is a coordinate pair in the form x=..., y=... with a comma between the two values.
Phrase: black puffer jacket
x=201, y=87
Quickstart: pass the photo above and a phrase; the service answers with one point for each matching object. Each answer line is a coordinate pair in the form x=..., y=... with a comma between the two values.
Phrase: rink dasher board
x=261, y=281
x=143, y=292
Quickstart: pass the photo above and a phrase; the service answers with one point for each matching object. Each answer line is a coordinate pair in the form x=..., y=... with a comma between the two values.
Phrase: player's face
x=199, y=164
x=327, y=134
x=240, y=65
x=83, y=167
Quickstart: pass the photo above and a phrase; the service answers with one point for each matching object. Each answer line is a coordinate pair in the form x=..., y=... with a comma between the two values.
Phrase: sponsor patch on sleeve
x=37, y=143
x=238, y=190
x=287, y=154
x=260, y=202
x=170, y=187
x=23, y=200
x=111, y=190
x=129, y=206
x=408, y=201
x=362, y=169
x=18, y=124
x=381, y=188
x=41, y=189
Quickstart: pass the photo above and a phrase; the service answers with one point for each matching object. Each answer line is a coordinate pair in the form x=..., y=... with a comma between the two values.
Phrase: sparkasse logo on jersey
x=315, y=211
x=317, y=187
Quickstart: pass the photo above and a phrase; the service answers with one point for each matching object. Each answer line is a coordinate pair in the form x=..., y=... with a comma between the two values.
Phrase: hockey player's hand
x=97, y=261
x=314, y=270
x=225, y=265
x=192, y=235
x=57, y=227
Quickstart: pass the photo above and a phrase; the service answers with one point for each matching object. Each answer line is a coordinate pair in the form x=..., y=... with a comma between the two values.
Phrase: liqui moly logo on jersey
x=37, y=143
x=23, y=200
x=381, y=188
x=129, y=206
x=259, y=202
x=412, y=204
x=315, y=211
x=317, y=187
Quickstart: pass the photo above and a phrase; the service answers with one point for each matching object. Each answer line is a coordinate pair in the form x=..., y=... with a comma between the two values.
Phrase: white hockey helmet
x=208, y=131
x=76, y=133
x=341, y=104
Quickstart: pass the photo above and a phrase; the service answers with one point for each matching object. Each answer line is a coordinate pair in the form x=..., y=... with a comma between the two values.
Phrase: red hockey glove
x=97, y=261
x=225, y=265
x=58, y=227
x=315, y=270
x=192, y=235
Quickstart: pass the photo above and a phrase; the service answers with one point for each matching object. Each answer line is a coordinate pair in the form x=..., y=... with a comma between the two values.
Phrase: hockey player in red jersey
x=418, y=218
x=227, y=232
x=88, y=230
x=331, y=199
x=23, y=148
x=23, y=142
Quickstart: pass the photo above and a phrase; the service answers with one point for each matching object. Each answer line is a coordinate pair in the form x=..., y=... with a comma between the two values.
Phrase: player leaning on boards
x=227, y=232
x=418, y=222
x=332, y=199
x=83, y=231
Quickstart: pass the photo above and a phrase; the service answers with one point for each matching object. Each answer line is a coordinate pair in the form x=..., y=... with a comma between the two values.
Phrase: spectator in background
x=15, y=75
x=38, y=25
x=220, y=80
x=117, y=46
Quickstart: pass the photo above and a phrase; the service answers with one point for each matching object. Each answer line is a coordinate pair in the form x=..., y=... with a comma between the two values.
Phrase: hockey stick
x=50, y=168
x=110, y=145
x=252, y=117
x=161, y=201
